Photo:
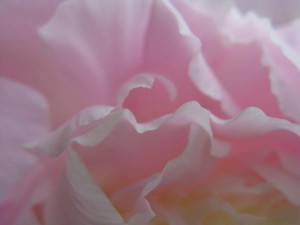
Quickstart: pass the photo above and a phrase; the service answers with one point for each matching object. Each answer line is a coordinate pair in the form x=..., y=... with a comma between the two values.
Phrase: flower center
x=221, y=205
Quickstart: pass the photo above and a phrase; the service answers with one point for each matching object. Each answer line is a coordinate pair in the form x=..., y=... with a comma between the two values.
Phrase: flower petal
x=287, y=183
x=56, y=142
x=282, y=61
x=176, y=172
x=146, y=146
x=25, y=59
x=91, y=37
x=278, y=11
x=24, y=117
x=252, y=122
x=148, y=52
x=269, y=146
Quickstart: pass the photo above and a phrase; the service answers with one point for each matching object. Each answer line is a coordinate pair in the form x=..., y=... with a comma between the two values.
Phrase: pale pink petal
x=78, y=200
x=167, y=53
x=246, y=81
x=24, y=117
x=287, y=183
x=132, y=202
x=290, y=34
x=143, y=103
x=280, y=12
x=160, y=89
x=281, y=60
x=203, y=20
x=23, y=56
x=239, y=65
x=253, y=136
x=140, y=219
x=290, y=157
x=247, y=62
x=188, y=171
x=56, y=142
x=169, y=47
x=177, y=172
x=252, y=122
x=147, y=147
x=149, y=52
x=139, y=81
x=206, y=81
x=112, y=133
x=269, y=146
x=24, y=204
x=98, y=43
x=193, y=165
x=285, y=80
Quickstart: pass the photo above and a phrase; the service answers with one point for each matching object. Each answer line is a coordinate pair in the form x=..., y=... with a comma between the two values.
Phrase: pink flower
x=147, y=112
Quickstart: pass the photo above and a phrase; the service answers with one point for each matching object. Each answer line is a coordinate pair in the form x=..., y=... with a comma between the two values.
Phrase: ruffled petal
x=247, y=63
x=185, y=170
x=56, y=142
x=189, y=182
x=281, y=60
x=145, y=146
x=269, y=146
x=252, y=122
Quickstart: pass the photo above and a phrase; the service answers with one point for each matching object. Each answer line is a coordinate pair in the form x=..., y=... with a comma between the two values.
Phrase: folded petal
x=145, y=146
x=57, y=141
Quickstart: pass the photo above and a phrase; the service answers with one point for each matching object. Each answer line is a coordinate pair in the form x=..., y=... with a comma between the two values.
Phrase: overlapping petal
x=23, y=109
x=24, y=116
x=162, y=78
x=78, y=200
x=25, y=58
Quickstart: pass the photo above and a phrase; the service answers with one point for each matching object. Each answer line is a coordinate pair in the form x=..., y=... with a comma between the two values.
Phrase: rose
x=155, y=155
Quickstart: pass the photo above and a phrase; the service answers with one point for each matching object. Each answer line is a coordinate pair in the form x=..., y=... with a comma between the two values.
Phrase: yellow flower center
x=225, y=205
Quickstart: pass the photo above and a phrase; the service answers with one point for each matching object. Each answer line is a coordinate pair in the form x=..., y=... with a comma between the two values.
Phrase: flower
x=147, y=112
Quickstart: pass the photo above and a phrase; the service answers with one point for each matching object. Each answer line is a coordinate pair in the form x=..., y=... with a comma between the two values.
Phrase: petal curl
x=164, y=39
x=56, y=142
